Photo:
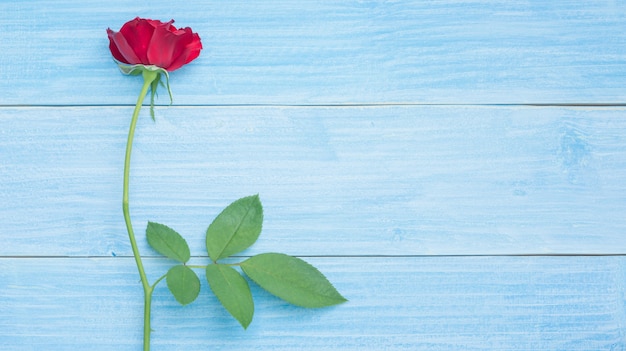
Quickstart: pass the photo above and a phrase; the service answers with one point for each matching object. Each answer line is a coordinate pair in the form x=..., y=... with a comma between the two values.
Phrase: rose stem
x=148, y=78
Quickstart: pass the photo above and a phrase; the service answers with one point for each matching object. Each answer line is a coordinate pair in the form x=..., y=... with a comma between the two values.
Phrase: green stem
x=159, y=280
x=148, y=78
x=147, y=308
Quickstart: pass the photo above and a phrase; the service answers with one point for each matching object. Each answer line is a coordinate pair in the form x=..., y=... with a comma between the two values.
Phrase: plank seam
x=346, y=256
x=382, y=104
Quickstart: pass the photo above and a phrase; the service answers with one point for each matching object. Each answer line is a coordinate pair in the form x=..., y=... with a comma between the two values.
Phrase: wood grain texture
x=335, y=181
x=327, y=52
x=400, y=180
x=470, y=303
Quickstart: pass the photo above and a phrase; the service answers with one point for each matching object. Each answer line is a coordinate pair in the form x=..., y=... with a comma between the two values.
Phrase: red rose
x=152, y=42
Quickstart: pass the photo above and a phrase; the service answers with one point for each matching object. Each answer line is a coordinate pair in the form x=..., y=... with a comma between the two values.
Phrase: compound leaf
x=233, y=292
x=292, y=279
x=183, y=284
x=236, y=228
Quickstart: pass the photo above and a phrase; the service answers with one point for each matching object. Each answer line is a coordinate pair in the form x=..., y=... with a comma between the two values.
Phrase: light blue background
x=456, y=169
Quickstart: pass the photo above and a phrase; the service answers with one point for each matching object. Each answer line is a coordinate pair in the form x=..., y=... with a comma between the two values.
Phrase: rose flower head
x=153, y=48
x=149, y=42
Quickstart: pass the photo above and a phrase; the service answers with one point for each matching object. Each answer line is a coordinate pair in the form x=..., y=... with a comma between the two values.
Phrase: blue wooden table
x=456, y=169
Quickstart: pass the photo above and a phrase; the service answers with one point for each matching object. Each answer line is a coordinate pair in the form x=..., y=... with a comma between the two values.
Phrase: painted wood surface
x=395, y=180
x=327, y=52
x=427, y=303
x=447, y=164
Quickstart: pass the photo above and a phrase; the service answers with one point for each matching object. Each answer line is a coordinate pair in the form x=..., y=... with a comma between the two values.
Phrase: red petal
x=120, y=49
x=162, y=47
x=138, y=34
x=187, y=53
x=114, y=50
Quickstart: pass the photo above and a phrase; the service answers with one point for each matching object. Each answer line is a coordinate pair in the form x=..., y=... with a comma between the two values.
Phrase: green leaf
x=183, y=283
x=236, y=228
x=291, y=279
x=233, y=292
x=167, y=242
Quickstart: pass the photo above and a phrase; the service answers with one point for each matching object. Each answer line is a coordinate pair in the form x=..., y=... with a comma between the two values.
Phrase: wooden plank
x=428, y=303
x=327, y=52
x=392, y=180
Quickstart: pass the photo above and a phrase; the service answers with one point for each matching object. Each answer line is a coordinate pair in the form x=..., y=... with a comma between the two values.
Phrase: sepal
x=135, y=70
